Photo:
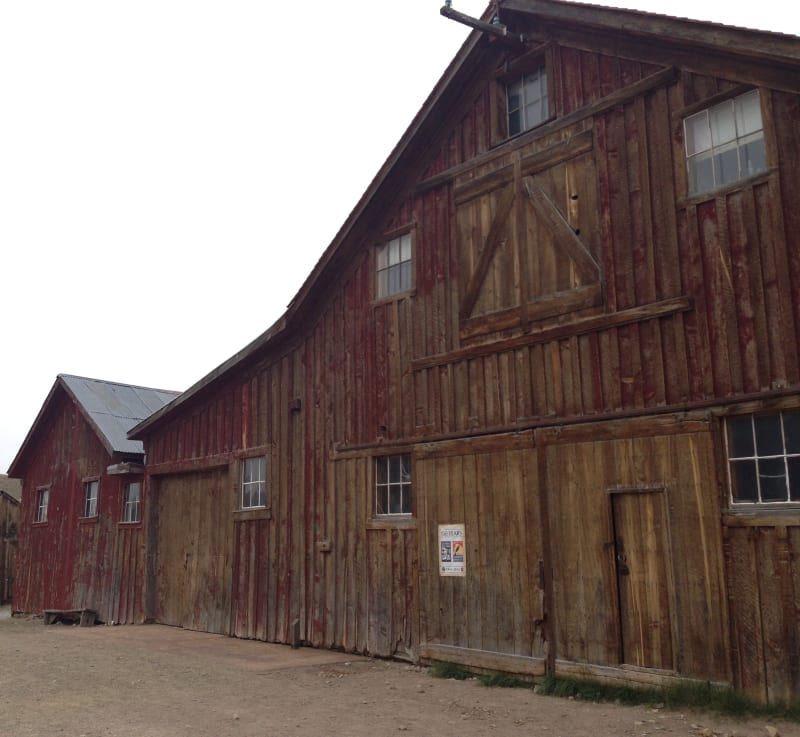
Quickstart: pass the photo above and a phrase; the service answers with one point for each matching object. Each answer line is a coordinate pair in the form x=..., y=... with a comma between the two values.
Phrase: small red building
x=80, y=543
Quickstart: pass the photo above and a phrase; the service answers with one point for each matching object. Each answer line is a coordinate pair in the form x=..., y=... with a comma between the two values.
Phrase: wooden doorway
x=642, y=555
x=192, y=568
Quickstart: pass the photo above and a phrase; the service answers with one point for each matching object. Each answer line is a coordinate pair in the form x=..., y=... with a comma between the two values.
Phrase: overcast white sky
x=171, y=170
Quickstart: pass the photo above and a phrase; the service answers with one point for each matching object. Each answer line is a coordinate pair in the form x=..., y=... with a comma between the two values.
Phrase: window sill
x=137, y=523
x=763, y=516
x=396, y=297
x=726, y=189
x=245, y=515
x=40, y=523
x=88, y=520
x=392, y=522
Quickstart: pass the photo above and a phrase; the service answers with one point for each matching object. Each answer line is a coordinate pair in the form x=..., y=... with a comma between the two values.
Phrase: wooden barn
x=81, y=544
x=10, y=491
x=537, y=407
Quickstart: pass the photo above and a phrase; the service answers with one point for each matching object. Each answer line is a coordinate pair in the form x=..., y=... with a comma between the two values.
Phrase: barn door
x=644, y=586
x=192, y=569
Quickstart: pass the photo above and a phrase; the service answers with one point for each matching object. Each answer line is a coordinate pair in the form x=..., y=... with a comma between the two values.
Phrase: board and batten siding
x=559, y=278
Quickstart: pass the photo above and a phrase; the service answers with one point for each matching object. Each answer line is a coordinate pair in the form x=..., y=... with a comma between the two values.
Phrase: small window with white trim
x=42, y=503
x=91, y=491
x=725, y=143
x=764, y=458
x=393, y=485
x=393, y=267
x=254, y=483
x=132, y=502
x=527, y=101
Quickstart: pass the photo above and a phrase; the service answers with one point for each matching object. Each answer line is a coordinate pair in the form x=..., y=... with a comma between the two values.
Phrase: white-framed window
x=91, y=490
x=42, y=502
x=764, y=458
x=254, y=483
x=132, y=501
x=527, y=102
x=725, y=143
x=393, y=485
x=393, y=266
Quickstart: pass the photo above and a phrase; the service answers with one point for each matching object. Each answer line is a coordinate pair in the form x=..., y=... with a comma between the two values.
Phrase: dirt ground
x=155, y=681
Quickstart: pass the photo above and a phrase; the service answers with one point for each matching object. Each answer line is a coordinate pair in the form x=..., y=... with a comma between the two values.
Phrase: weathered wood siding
x=657, y=602
x=68, y=562
x=9, y=524
x=560, y=277
x=764, y=573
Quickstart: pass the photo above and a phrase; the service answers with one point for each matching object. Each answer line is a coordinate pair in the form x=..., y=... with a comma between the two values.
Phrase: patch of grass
x=703, y=696
x=450, y=670
x=681, y=695
x=499, y=680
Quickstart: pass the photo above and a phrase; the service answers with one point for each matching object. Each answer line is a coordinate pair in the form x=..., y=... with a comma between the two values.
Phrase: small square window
x=132, y=502
x=527, y=102
x=254, y=483
x=42, y=502
x=393, y=485
x=764, y=458
x=725, y=143
x=393, y=266
x=91, y=490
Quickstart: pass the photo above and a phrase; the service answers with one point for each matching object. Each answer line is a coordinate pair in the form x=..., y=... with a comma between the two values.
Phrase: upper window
x=725, y=143
x=254, y=483
x=527, y=101
x=132, y=502
x=42, y=502
x=393, y=266
x=764, y=458
x=393, y=485
x=90, y=492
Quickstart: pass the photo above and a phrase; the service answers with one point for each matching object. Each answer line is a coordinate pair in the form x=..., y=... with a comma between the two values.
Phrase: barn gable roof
x=110, y=408
x=681, y=39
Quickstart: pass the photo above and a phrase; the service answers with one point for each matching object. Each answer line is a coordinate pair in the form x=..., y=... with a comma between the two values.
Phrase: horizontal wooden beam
x=552, y=305
x=581, y=326
x=522, y=665
x=627, y=674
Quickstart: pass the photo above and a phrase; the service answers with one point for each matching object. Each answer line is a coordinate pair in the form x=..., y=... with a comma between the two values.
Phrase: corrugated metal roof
x=115, y=408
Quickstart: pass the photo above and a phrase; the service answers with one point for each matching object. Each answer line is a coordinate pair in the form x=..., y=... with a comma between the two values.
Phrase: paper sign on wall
x=452, y=551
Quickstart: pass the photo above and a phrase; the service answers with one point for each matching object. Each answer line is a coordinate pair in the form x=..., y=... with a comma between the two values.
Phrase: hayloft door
x=642, y=555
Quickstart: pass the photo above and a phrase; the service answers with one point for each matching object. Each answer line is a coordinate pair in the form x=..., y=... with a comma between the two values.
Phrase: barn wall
x=610, y=295
x=68, y=562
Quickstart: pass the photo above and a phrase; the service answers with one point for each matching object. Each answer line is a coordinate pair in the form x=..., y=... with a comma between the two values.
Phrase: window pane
x=405, y=468
x=748, y=113
x=514, y=122
x=726, y=164
x=772, y=475
x=768, y=435
x=791, y=431
x=743, y=479
x=382, y=466
x=394, y=469
x=405, y=247
x=753, y=155
x=720, y=119
x=698, y=136
x=794, y=479
x=740, y=437
x=701, y=174
x=395, y=506
x=405, y=276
